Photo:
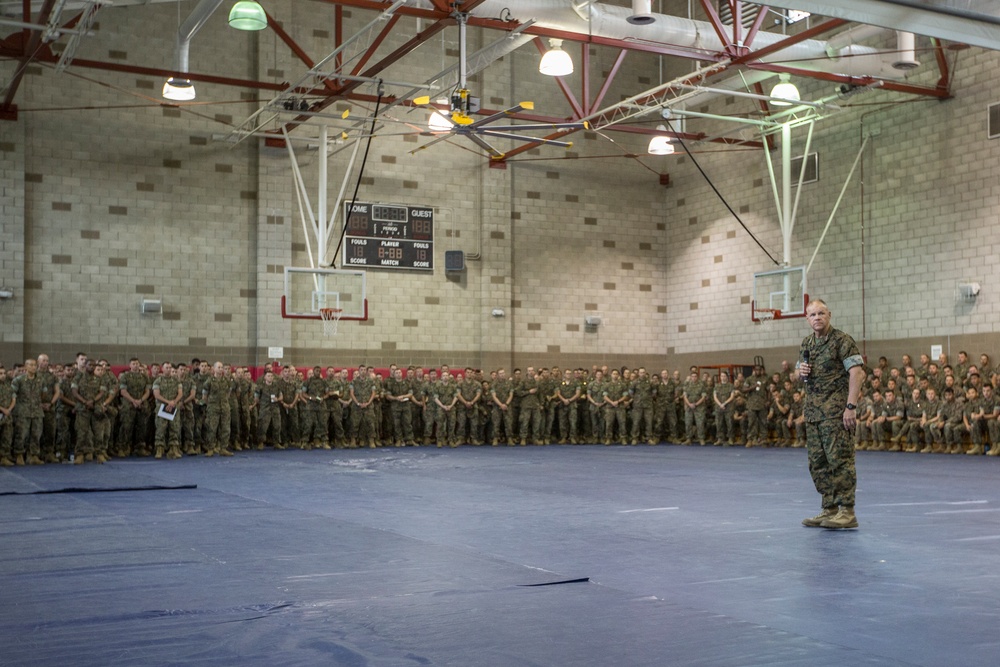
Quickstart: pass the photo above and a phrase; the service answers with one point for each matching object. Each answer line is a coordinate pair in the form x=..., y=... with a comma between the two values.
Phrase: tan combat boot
x=845, y=518
x=817, y=521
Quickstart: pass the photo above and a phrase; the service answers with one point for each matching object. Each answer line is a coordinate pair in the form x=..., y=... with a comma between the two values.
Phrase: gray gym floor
x=653, y=556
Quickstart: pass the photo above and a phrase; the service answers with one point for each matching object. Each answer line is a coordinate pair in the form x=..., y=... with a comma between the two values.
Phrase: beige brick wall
x=127, y=199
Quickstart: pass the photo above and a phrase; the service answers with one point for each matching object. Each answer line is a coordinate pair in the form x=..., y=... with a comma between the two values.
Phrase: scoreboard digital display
x=389, y=236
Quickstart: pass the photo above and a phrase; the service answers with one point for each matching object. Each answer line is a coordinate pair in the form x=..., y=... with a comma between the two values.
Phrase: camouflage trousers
x=268, y=424
x=6, y=437
x=168, y=432
x=642, y=419
x=402, y=423
x=724, y=427
x=314, y=424
x=217, y=427
x=831, y=462
x=467, y=424
x=27, y=435
x=506, y=419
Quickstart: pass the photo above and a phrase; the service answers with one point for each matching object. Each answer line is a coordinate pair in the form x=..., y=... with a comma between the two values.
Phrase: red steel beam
x=717, y=25
x=377, y=42
x=32, y=46
x=945, y=81
x=567, y=93
x=818, y=29
x=607, y=81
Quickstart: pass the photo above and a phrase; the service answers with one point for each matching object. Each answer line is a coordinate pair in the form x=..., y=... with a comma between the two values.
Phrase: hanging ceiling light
x=438, y=120
x=786, y=90
x=660, y=144
x=178, y=89
x=556, y=62
x=247, y=15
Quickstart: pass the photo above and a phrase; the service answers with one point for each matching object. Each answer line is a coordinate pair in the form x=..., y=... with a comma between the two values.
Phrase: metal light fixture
x=247, y=15
x=178, y=89
x=438, y=120
x=556, y=62
x=785, y=90
x=660, y=144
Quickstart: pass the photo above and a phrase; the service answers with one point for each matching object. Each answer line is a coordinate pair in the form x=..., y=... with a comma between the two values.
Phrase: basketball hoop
x=331, y=318
x=765, y=316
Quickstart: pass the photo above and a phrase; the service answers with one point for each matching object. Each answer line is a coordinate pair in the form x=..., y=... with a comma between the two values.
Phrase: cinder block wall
x=114, y=198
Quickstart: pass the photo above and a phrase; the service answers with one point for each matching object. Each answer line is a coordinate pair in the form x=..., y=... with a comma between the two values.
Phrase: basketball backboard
x=307, y=291
x=779, y=292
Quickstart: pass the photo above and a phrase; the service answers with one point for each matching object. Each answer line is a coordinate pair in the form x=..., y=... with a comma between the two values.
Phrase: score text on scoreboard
x=389, y=236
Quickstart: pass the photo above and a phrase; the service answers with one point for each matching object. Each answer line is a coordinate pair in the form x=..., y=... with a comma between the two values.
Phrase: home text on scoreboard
x=389, y=236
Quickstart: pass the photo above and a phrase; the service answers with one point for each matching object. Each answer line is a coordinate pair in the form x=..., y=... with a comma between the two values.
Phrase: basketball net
x=331, y=318
x=765, y=317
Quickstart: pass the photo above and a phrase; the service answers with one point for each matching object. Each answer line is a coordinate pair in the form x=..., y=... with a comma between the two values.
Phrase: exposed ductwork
x=189, y=28
x=592, y=18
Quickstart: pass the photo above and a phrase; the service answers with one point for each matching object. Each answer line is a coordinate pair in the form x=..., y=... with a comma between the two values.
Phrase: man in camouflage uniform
x=566, y=399
x=972, y=420
x=268, y=401
x=446, y=398
x=204, y=373
x=87, y=391
x=613, y=394
x=169, y=393
x=991, y=413
x=50, y=399
x=315, y=417
x=398, y=395
x=931, y=423
x=364, y=429
x=134, y=388
x=470, y=393
x=724, y=398
x=833, y=371
x=755, y=392
x=336, y=393
x=595, y=405
x=189, y=394
x=106, y=412
x=7, y=402
x=951, y=422
x=28, y=415
x=215, y=394
x=641, y=391
x=501, y=398
x=548, y=382
x=695, y=407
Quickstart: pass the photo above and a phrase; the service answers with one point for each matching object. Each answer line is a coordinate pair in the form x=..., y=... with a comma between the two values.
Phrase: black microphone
x=805, y=358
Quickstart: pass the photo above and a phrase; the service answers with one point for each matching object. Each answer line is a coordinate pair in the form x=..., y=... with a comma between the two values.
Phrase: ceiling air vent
x=993, y=120
x=812, y=169
x=749, y=14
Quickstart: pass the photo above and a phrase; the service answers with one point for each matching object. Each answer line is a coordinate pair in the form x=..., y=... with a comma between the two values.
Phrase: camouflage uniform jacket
x=168, y=387
x=831, y=358
x=29, y=396
x=723, y=391
x=214, y=392
x=135, y=383
x=642, y=393
x=89, y=387
x=502, y=389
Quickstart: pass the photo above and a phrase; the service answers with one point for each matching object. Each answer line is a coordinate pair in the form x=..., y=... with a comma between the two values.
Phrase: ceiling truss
x=342, y=74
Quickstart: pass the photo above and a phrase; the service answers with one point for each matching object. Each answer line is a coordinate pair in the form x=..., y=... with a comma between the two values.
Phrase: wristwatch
x=851, y=406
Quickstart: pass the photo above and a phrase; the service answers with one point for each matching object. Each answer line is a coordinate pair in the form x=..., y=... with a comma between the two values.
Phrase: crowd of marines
x=82, y=412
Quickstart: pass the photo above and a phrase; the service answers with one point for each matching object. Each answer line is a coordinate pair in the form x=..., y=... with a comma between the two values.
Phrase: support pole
x=847, y=181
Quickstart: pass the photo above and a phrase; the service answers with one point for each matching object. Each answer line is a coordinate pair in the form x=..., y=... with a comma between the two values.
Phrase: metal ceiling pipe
x=189, y=28
x=611, y=22
x=906, y=58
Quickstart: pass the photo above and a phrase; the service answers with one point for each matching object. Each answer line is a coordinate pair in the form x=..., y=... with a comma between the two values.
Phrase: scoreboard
x=389, y=236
